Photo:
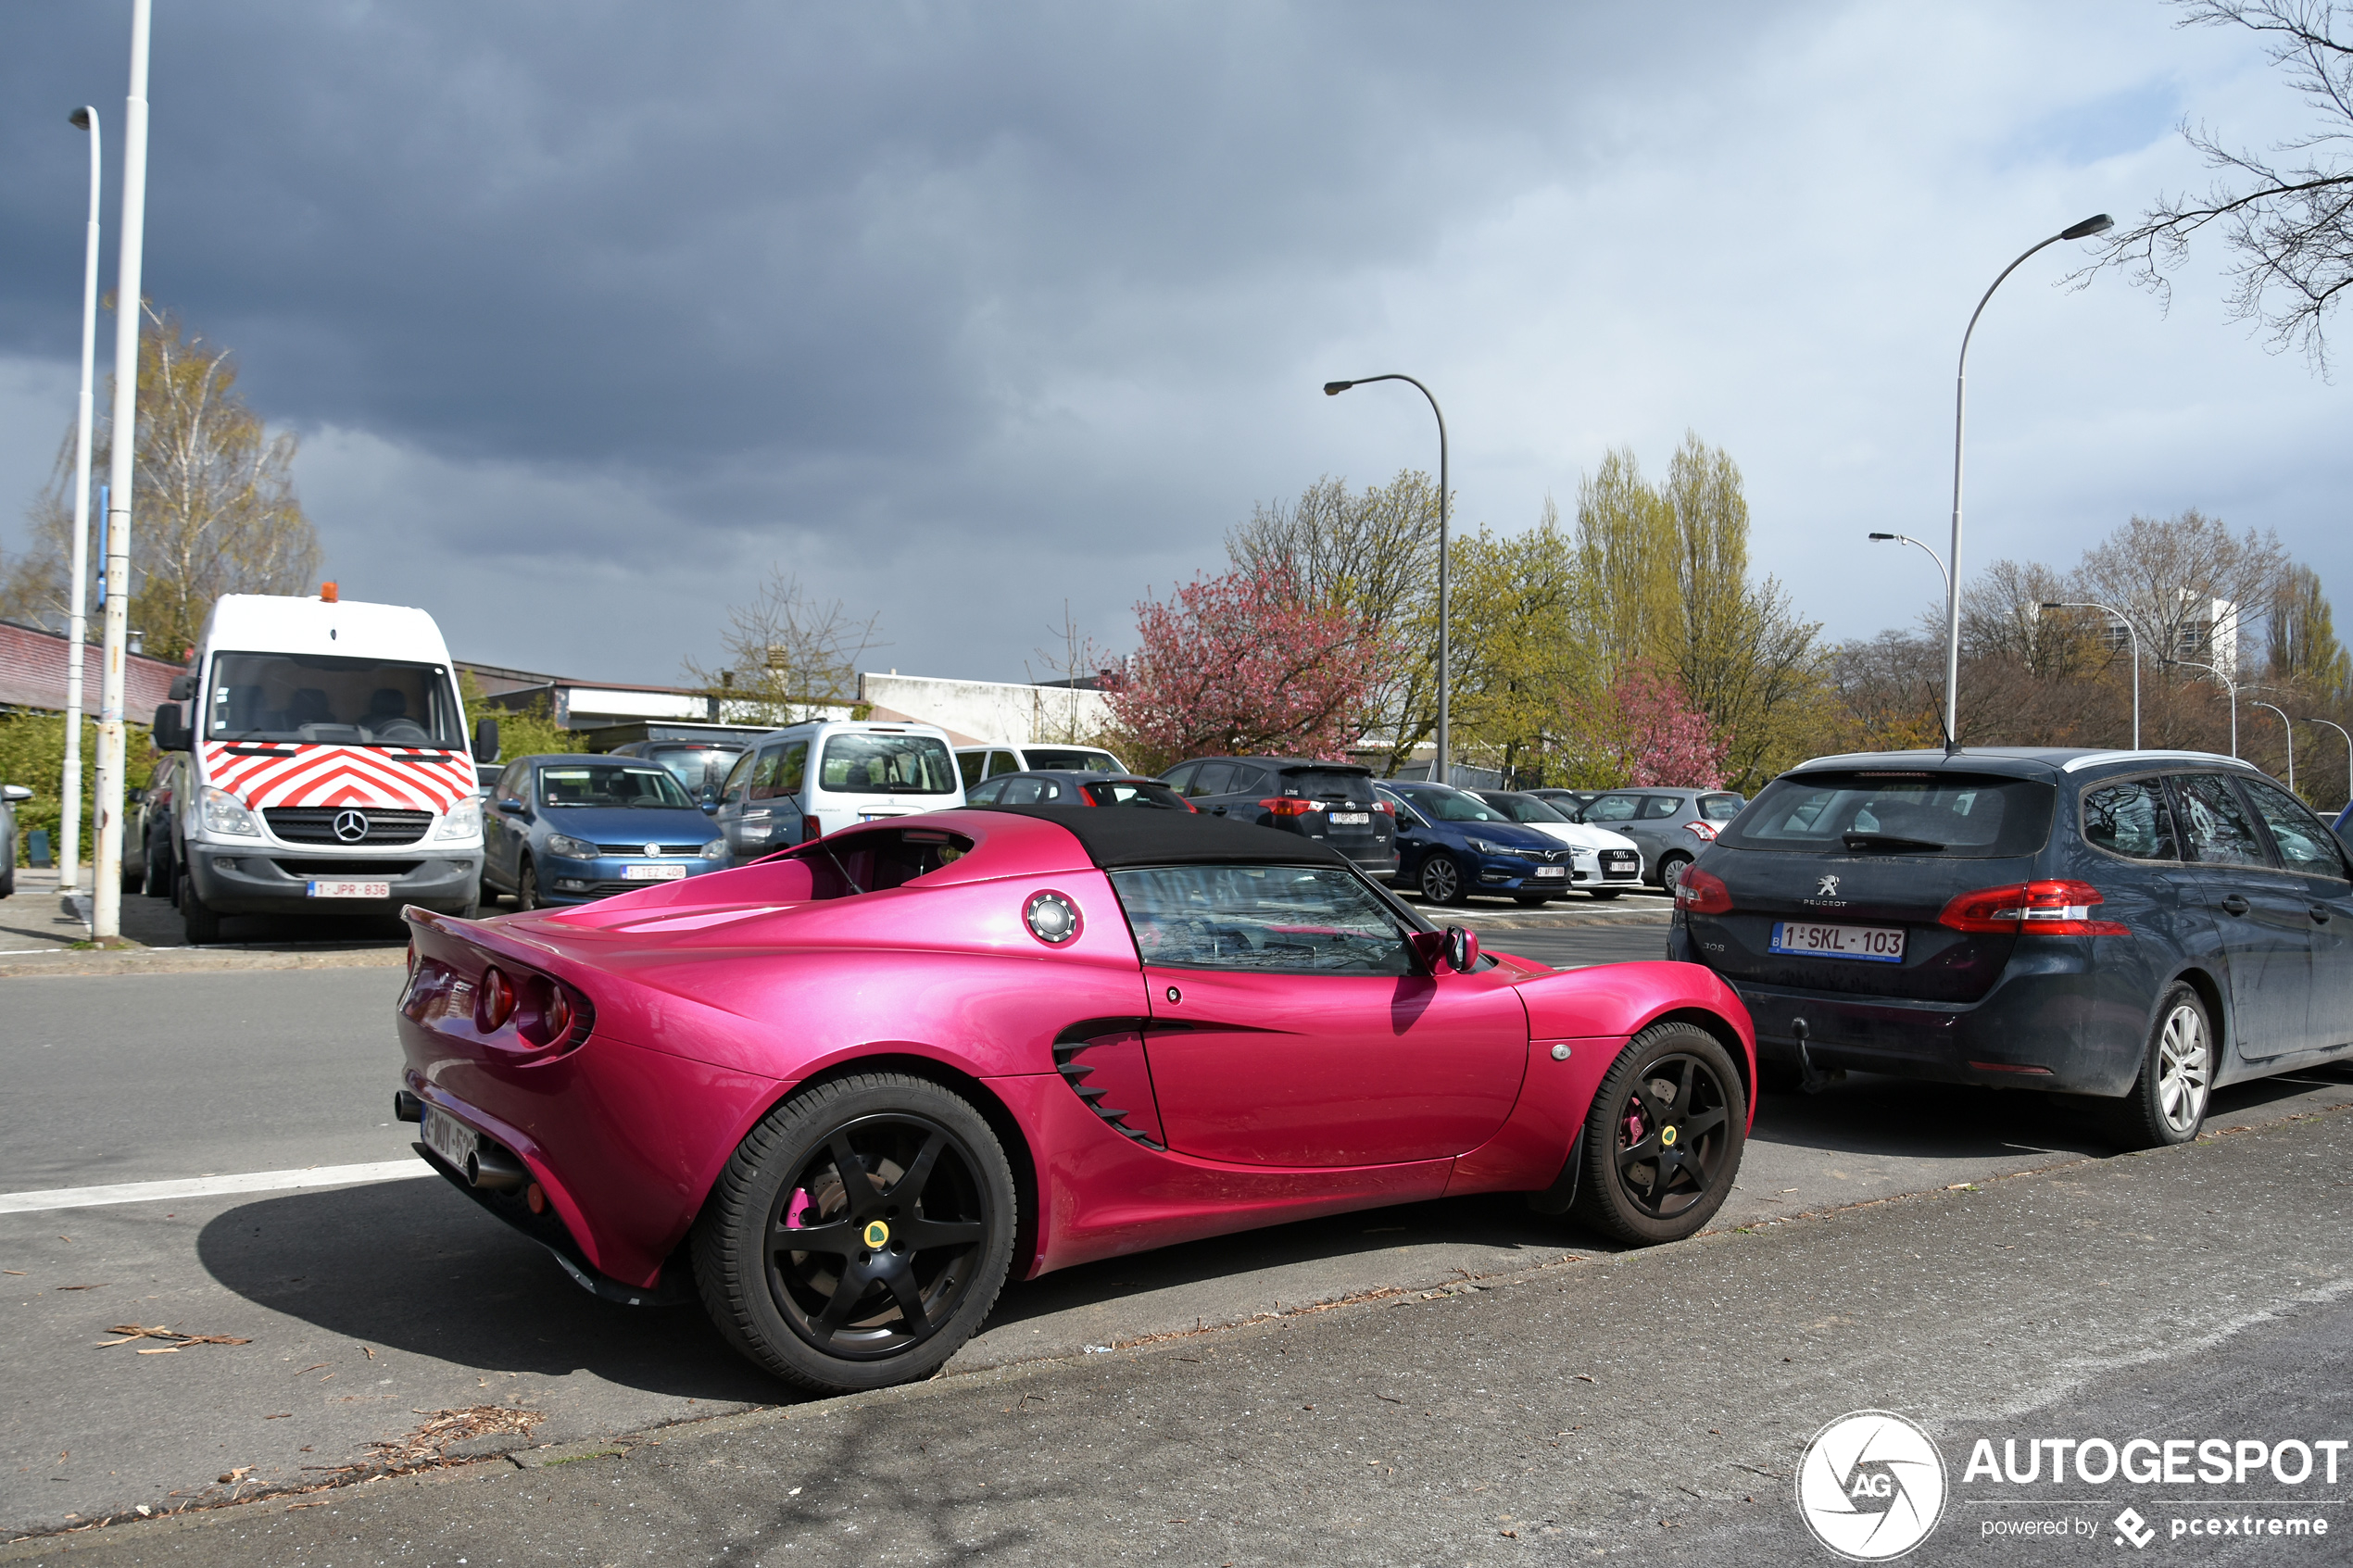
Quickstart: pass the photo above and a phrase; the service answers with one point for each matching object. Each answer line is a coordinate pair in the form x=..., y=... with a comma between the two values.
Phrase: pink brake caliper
x=795, y=1209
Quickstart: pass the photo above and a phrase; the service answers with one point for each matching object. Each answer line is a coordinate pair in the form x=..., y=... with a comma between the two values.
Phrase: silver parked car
x=1669, y=826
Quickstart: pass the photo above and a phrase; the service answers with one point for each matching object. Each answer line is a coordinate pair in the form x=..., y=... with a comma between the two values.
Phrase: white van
x=328, y=766
x=810, y=779
x=978, y=762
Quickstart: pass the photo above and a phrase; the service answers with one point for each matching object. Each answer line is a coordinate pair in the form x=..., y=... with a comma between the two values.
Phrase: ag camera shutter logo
x=1871, y=1486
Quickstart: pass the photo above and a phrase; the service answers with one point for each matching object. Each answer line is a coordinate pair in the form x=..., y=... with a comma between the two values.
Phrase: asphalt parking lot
x=360, y=1306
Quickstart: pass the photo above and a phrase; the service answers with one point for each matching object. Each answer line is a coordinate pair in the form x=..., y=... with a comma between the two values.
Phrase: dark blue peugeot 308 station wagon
x=2142, y=926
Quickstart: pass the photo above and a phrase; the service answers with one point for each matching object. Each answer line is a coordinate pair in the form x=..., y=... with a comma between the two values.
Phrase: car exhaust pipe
x=494, y=1170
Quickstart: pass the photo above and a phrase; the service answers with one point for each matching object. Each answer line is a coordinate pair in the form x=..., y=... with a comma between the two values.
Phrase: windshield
x=611, y=784
x=1450, y=805
x=1064, y=760
x=1955, y=814
x=888, y=764
x=1527, y=809
x=698, y=767
x=332, y=701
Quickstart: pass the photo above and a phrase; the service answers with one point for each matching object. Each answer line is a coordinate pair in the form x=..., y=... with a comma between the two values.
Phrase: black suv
x=2144, y=926
x=1333, y=801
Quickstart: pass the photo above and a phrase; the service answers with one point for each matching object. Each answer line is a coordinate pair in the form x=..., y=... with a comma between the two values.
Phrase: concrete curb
x=192, y=960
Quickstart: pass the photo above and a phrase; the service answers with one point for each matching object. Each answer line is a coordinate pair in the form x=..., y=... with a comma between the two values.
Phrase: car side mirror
x=182, y=688
x=486, y=740
x=510, y=807
x=15, y=794
x=1462, y=948
x=710, y=804
x=171, y=732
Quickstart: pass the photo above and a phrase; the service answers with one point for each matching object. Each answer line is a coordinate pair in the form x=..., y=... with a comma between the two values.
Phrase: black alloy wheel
x=1441, y=879
x=1664, y=1139
x=859, y=1234
x=527, y=885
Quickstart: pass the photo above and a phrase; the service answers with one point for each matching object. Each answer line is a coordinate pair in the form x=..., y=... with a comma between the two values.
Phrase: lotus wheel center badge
x=351, y=826
x=876, y=1235
x=1666, y=1136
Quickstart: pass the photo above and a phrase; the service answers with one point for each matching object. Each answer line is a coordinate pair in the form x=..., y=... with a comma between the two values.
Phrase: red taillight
x=1701, y=892
x=1289, y=805
x=555, y=1017
x=493, y=1001
x=1384, y=807
x=810, y=830
x=2048, y=909
x=1704, y=831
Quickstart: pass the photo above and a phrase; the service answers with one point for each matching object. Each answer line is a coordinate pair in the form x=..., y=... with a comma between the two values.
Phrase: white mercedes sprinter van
x=328, y=765
x=810, y=779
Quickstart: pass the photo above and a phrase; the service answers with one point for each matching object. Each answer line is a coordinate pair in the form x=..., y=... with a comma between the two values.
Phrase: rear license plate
x=1872, y=944
x=1552, y=870
x=448, y=1138
x=1351, y=819
x=652, y=873
x=345, y=889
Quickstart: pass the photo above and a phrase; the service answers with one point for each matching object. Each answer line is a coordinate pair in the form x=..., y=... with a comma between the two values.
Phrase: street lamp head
x=80, y=118
x=2099, y=223
x=1885, y=536
x=2051, y=603
x=1334, y=388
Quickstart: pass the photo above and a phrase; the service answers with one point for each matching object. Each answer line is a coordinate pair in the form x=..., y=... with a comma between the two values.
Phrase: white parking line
x=209, y=1186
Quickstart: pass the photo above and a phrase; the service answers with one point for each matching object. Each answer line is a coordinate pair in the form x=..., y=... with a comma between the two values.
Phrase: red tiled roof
x=33, y=674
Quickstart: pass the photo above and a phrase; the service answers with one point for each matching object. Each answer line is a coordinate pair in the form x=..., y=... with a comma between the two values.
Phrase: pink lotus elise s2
x=842, y=1092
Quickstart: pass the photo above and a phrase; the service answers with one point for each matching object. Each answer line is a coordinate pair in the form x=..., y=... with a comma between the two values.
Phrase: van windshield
x=858, y=763
x=333, y=701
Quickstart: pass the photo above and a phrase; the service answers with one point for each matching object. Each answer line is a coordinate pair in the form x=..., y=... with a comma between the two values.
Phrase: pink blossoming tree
x=1644, y=731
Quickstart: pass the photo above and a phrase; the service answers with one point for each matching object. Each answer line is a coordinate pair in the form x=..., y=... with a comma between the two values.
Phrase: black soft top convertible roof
x=1127, y=835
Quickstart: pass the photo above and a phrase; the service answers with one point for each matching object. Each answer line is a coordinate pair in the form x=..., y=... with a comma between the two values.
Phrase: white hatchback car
x=1603, y=863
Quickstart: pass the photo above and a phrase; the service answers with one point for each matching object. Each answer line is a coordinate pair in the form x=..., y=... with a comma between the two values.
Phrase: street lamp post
x=2130, y=631
x=1333, y=389
x=1943, y=575
x=2226, y=681
x=2289, y=731
x=2348, y=754
x=2099, y=223
x=77, y=611
x=105, y=892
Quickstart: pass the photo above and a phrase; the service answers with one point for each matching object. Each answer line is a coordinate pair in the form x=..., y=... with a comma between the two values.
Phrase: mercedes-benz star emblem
x=351, y=826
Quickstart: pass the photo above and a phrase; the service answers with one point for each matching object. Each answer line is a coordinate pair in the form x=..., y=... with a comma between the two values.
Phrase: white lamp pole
x=1942, y=575
x=2099, y=223
x=2235, y=690
x=2131, y=632
x=2348, y=754
x=105, y=902
x=2289, y=731
x=77, y=613
x=1444, y=773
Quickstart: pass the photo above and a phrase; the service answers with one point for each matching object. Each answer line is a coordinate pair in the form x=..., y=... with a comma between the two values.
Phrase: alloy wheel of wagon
x=1441, y=879
x=1664, y=1139
x=527, y=885
x=2167, y=1104
x=859, y=1234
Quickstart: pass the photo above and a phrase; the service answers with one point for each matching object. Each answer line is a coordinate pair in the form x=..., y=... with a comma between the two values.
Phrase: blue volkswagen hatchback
x=566, y=830
x=2136, y=927
x=1451, y=844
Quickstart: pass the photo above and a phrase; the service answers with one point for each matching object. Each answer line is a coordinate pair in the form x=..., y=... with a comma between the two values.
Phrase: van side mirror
x=182, y=688
x=486, y=740
x=171, y=732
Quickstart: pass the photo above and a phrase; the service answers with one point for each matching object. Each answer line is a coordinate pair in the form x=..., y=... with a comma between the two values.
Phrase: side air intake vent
x=1108, y=1073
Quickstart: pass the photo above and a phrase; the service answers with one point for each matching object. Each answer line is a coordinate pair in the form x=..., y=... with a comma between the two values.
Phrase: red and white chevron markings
x=264, y=774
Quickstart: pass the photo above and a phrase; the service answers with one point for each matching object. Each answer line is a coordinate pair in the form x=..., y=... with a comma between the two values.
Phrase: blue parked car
x=566, y=830
x=1451, y=844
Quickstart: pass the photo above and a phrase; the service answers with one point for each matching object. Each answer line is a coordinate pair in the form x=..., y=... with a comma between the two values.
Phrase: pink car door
x=1291, y=1025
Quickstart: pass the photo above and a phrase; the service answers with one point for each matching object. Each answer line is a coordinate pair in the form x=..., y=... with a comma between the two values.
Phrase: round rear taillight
x=493, y=1001
x=555, y=1019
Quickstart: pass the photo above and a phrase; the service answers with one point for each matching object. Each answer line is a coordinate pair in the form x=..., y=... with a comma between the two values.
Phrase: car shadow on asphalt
x=415, y=1266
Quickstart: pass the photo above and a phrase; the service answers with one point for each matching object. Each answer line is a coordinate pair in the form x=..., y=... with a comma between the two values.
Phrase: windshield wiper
x=1893, y=842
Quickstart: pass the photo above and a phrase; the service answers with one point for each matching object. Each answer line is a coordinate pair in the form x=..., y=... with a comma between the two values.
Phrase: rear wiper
x=1896, y=843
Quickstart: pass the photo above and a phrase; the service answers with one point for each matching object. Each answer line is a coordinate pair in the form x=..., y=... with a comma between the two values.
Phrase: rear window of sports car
x=1963, y=816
